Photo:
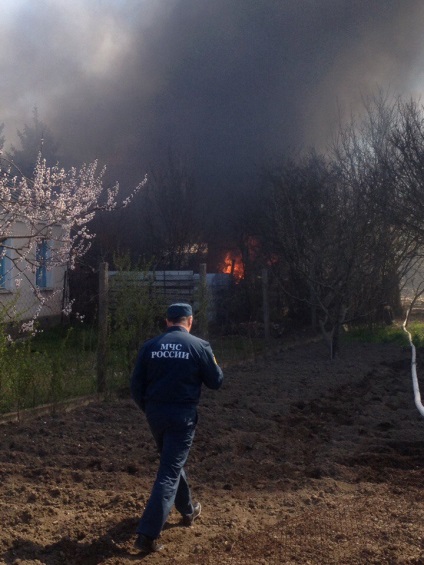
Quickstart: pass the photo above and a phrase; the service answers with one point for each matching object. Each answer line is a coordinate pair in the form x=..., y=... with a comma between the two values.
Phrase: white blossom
x=54, y=204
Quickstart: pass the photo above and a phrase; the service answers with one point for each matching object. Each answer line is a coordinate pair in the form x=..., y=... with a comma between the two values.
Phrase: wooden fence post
x=265, y=299
x=203, y=302
x=102, y=344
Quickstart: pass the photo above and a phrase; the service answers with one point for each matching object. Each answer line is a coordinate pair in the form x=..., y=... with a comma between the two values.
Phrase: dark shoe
x=146, y=544
x=188, y=519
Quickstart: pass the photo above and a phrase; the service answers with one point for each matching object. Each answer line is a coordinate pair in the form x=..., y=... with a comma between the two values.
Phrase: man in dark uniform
x=166, y=384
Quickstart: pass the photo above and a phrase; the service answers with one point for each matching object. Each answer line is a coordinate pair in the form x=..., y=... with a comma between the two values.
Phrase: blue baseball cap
x=179, y=310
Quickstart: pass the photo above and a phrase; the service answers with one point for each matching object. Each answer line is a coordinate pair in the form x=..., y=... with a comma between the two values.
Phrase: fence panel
x=165, y=286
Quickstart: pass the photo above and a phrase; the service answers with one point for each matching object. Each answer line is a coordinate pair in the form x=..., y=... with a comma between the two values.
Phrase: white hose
x=417, y=395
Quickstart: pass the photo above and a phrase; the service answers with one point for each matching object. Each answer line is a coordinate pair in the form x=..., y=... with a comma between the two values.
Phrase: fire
x=233, y=265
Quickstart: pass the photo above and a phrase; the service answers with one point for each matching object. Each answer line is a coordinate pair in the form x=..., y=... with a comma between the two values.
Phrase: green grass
x=60, y=364
x=233, y=348
x=51, y=367
x=388, y=334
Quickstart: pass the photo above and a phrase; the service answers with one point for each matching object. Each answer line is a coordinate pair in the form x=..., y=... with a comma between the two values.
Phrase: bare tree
x=34, y=138
x=2, y=138
x=407, y=139
x=367, y=161
x=172, y=213
x=339, y=254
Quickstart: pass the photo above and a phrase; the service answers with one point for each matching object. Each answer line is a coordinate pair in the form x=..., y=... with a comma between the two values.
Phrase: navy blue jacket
x=172, y=367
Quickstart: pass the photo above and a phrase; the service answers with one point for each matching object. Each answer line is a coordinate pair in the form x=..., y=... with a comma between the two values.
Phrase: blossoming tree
x=53, y=210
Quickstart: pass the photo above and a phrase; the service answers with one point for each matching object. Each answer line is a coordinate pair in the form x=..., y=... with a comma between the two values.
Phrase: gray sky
x=226, y=83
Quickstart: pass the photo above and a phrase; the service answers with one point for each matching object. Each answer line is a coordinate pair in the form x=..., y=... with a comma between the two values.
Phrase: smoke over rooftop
x=226, y=83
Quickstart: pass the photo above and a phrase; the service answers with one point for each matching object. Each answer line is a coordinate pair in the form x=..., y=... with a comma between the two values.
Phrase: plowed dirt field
x=297, y=459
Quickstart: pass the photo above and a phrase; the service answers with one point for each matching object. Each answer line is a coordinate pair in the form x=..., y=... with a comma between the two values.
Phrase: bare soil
x=297, y=459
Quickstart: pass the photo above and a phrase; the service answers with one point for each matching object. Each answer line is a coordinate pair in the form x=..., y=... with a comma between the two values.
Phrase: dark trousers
x=173, y=429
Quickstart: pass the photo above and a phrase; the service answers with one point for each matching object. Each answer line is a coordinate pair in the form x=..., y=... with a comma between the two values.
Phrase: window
x=42, y=257
x=5, y=264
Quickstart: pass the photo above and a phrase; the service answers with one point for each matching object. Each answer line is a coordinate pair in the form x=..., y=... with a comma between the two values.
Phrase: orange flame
x=233, y=265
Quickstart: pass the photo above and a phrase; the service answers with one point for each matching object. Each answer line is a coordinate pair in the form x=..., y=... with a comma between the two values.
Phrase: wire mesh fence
x=49, y=368
x=63, y=363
